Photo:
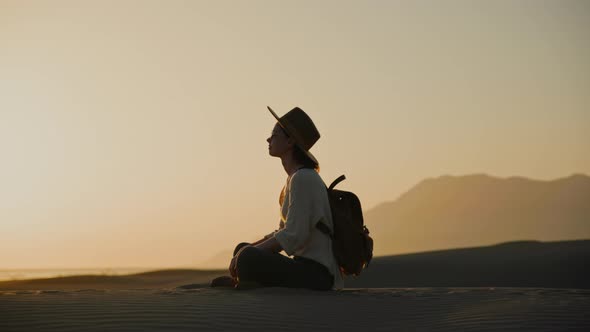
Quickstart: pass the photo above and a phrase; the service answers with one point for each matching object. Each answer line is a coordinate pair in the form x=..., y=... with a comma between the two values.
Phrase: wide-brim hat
x=301, y=128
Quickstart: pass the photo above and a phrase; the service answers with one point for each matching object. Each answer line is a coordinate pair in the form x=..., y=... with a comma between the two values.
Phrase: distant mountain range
x=475, y=210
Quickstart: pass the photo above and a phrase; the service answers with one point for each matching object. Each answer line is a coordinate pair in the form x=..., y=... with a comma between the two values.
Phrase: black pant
x=276, y=270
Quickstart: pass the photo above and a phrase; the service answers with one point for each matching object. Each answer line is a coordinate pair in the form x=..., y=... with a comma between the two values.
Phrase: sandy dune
x=154, y=279
x=560, y=264
x=546, y=288
x=451, y=309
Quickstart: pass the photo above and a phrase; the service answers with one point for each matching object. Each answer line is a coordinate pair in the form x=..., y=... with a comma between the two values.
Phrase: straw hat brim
x=309, y=154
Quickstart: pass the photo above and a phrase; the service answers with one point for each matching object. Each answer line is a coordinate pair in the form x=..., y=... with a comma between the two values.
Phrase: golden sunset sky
x=132, y=133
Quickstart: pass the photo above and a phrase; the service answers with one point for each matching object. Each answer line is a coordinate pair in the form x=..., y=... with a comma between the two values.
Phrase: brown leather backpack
x=351, y=243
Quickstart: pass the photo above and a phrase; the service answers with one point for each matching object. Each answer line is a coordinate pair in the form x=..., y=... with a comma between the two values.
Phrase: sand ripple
x=452, y=309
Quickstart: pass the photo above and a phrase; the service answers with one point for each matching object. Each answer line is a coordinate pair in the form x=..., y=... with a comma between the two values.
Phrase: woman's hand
x=232, y=267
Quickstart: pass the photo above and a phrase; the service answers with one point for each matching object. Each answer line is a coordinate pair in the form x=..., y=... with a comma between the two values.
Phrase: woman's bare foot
x=224, y=281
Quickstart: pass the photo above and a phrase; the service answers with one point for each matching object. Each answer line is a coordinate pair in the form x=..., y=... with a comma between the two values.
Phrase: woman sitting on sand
x=304, y=202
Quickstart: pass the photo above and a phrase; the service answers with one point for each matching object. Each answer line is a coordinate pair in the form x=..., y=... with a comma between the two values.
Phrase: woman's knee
x=248, y=260
x=240, y=246
x=248, y=255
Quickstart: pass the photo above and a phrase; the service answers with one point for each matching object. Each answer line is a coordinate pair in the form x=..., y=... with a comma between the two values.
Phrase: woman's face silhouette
x=278, y=142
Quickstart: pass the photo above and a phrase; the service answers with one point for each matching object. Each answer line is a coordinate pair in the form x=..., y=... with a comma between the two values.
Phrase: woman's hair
x=301, y=157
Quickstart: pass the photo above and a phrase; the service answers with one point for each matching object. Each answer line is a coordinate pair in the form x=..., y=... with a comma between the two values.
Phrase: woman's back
x=306, y=203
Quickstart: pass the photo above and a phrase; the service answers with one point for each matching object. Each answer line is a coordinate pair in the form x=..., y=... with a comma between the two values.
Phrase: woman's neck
x=290, y=165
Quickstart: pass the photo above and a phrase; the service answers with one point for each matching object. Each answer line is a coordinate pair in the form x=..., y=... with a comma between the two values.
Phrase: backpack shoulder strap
x=335, y=182
x=320, y=225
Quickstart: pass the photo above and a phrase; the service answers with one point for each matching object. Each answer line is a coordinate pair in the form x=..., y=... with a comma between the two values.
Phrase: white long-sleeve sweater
x=304, y=204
